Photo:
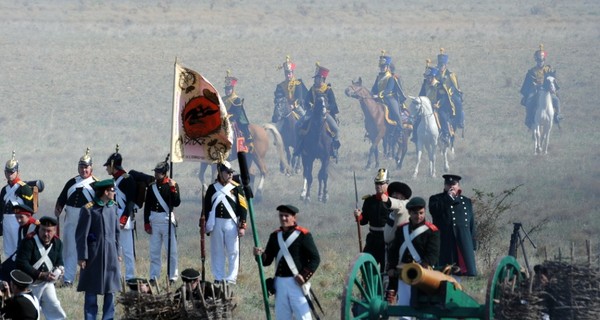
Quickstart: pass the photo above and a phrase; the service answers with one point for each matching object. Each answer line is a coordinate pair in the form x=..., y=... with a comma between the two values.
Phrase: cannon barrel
x=426, y=280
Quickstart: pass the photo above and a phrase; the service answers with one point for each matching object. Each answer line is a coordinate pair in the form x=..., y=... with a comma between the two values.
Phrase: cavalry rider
x=235, y=107
x=388, y=90
x=291, y=90
x=320, y=92
x=429, y=89
x=534, y=79
x=449, y=96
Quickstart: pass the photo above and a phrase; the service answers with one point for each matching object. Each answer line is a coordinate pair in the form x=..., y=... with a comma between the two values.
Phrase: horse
x=257, y=155
x=427, y=134
x=376, y=125
x=544, y=115
x=317, y=145
x=285, y=116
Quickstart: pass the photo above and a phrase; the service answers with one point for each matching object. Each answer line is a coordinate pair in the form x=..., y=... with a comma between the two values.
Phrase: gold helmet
x=382, y=176
x=86, y=159
x=12, y=165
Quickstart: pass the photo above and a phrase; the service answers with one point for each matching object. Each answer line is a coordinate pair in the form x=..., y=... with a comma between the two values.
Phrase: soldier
x=14, y=193
x=40, y=256
x=125, y=187
x=225, y=222
x=321, y=93
x=387, y=89
x=235, y=107
x=297, y=260
x=161, y=198
x=429, y=89
x=415, y=241
x=534, y=79
x=292, y=92
x=21, y=304
x=453, y=214
x=27, y=224
x=97, y=237
x=76, y=193
x=191, y=282
x=399, y=193
x=449, y=96
x=375, y=213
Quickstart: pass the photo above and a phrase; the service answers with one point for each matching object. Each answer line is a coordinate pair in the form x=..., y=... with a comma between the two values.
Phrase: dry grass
x=100, y=73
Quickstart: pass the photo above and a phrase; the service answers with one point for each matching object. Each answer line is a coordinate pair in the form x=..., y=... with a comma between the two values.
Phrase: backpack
x=37, y=186
x=142, y=181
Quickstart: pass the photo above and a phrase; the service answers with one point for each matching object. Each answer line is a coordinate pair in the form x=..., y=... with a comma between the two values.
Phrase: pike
x=356, y=207
x=202, y=236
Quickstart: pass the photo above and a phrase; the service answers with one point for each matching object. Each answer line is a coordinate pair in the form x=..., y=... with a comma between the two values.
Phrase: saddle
x=240, y=139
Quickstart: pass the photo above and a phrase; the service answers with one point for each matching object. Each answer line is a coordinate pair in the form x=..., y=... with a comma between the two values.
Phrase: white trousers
x=45, y=292
x=290, y=302
x=160, y=237
x=224, y=246
x=69, y=245
x=403, y=295
x=126, y=242
x=10, y=229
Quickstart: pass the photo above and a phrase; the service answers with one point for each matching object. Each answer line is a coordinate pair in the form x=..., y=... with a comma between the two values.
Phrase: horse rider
x=235, y=107
x=449, y=97
x=388, y=90
x=429, y=89
x=534, y=79
x=291, y=90
x=320, y=92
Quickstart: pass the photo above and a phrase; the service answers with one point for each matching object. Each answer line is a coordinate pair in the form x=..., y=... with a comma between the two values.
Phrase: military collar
x=101, y=203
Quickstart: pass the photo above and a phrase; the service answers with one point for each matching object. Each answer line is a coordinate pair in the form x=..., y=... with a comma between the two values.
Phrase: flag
x=200, y=130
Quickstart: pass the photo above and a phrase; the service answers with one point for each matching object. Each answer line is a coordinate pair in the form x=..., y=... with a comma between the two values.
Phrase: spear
x=202, y=236
x=245, y=176
x=356, y=207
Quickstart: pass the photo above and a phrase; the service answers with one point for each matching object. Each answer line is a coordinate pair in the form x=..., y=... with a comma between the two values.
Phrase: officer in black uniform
x=291, y=92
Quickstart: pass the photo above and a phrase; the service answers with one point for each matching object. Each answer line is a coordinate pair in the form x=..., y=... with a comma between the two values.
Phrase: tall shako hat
x=115, y=160
x=382, y=176
x=430, y=70
x=384, y=60
x=86, y=159
x=12, y=165
x=321, y=71
x=288, y=65
x=229, y=80
x=540, y=54
x=442, y=58
x=163, y=166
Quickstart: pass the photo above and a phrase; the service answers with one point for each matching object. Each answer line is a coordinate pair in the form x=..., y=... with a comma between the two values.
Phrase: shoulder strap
x=283, y=250
x=34, y=301
x=408, y=242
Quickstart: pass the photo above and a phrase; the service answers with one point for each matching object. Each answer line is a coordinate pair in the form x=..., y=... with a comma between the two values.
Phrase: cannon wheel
x=363, y=291
x=507, y=273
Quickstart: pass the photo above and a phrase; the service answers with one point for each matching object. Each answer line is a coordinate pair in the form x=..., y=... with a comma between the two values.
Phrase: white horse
x=544, y=115
x=427, y=134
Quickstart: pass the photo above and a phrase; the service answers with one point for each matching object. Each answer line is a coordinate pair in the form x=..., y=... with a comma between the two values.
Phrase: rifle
x=202, y=236
x=356, y=207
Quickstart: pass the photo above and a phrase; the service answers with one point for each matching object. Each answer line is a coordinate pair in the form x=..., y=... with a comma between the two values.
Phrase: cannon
x=435, y=295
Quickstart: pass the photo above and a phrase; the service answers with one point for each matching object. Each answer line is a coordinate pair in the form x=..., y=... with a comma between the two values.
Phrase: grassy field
x=98, y=73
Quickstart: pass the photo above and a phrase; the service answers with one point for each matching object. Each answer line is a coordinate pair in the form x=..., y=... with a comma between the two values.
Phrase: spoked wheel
x=506, y=277
x=363, y=296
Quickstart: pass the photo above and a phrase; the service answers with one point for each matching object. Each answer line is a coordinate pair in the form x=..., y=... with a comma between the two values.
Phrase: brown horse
x=376, y=126
x=257, y=155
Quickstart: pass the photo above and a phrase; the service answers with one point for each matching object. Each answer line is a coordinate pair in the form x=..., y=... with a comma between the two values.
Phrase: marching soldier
x=14, y=193
x=534, y=79
x=40, y=256
x=76, y=193
x=125, y=188
x=225, y=223
x=388, y=90
x=375, y=214
x=162, y=196
x=291, y=91
x=322, y=93
x=297, y=259
x=235, y=107
x=449, y=96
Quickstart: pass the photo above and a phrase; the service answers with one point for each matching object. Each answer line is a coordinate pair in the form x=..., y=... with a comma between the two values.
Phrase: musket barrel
x=426, y=280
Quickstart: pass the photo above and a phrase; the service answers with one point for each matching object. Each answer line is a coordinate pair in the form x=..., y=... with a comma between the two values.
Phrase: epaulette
x=95, y=178
x=366, y=196
x=302, y=229
x=242, y=201
x=233, y=182
x=431, y=226
x=89, y=204
x=21, y=183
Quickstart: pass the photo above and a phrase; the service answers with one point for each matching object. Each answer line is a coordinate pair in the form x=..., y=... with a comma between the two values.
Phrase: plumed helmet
x=86, y=159
x=384, y=60
x=540, y=54
x=115, y=159
x=442, y=58
x=382, y=176
x=229, y=80
x=288, y=65
x=321, y=71
x=12, y=165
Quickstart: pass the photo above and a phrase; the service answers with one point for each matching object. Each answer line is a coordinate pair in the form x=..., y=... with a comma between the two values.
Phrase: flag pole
x=170, y=205
x=245, y=176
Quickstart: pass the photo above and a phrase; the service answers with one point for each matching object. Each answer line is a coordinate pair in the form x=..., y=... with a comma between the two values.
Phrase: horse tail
x=278, y=142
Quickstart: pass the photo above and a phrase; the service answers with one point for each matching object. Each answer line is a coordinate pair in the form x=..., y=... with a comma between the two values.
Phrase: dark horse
x=317, y=145
x=286, y=116
x=257, y=155
x=377, y=127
